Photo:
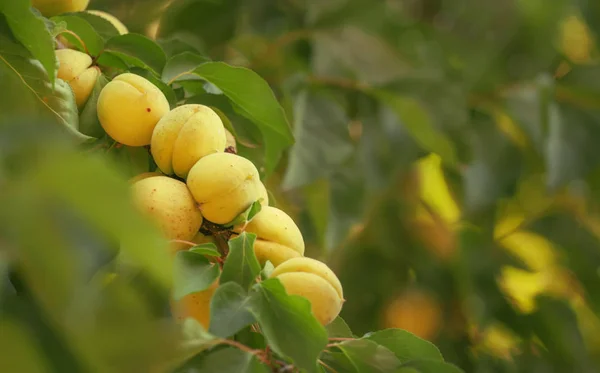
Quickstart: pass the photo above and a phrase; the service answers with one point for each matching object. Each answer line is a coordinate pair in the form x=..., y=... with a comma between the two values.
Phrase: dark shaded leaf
x=406, y=346
x=288, y=324
x=86, y=32
x=136, y=50
x=193, y=273
x=228, y=310
x=89, y=124
x=241, y=265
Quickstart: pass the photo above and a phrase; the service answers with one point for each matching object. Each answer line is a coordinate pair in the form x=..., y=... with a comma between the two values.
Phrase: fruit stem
x=327, y=366
x=260, y=354
x=191, y=244
x=342, y=339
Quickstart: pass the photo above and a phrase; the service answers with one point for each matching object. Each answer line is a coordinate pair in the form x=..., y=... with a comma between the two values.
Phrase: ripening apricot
x=76, y=69
x=316, y=282
x=415, y=311
x=184, y=135
x=195, y=306
x=51, y=8
x=278, y=238
x=224, y=185
x=170, y=205
x=129, y=107
x=112, y=19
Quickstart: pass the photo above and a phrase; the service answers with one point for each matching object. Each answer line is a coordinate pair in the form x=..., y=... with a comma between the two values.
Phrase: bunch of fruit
x=201, y=186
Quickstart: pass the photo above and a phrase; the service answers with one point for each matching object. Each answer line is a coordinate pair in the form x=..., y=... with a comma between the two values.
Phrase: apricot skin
x=75, y=68
x=195, y=305
x=314, y=281
x=50, y=8
x=277, y=236
x=224, y=185
x=184, y=135
x=129, y=107
x=170, y=205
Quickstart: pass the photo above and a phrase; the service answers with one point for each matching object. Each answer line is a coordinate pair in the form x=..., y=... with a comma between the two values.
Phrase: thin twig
x=342, y=339
x=327, y=366
x=260, y=354
x=78, y=38
x=184, y=242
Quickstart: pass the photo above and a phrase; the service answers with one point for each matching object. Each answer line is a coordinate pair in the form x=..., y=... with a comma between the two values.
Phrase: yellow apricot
x=195, y=305
x=75, y=68
x=278, y=238
x=316, y=282
x=129, y=107
x=224, y=185
x=170, y=205
x=144, y=175
x=415, y=311
x=184, y=135
x=112, y=19
x=264, y=195
x=51, y=8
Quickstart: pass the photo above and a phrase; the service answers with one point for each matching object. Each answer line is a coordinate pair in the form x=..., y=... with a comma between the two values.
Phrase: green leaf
x=420, y=125
x=247, y=215
x=86, y=32
x=288, y=324
x=265, y=273
x=181, y=63
x=571, y=146
x=406, y=346
x=339, y=329
x=32, y=95
x=590, y=10
x=89, y=124
x=131, y=160
x=322, y=139
x=31, y=31
x=136, y=50
x=428, y=366
x=193, y=273
x=228, y=310
x=206, y=249
x=241, y=265
x=228, y=360
x=368, y=356
x=103, y=27
x=252, y=98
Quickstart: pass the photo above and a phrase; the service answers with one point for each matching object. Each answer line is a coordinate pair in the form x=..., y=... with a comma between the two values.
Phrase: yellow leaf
x=434, y=190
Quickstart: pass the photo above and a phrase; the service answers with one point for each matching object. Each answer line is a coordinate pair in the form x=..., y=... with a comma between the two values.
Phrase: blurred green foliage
x=444, y=165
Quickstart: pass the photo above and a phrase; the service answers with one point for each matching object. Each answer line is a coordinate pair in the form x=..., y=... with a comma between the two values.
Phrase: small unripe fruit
x=76, y=69
x=184, y=135
x=129, y=107
x=277, y=236
x=224, y=185
x=195, y=306
x=230, y=141
x=316, y=282
x=112, y=19
x=51, y=8
x=171, y=206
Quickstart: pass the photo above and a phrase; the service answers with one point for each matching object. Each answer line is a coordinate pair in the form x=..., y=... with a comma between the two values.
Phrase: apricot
x=76, y=69
x=184, y=135
x=144, y=175
x=224, y=185
x=112, y=19
x=415, y=311
x=51, y=8
x=195, y=306
x=278, y=238
x=170, y=205
x=314, y=281
x=129, y=107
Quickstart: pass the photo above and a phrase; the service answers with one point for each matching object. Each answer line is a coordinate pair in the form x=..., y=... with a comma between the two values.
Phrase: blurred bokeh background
x=445, y=166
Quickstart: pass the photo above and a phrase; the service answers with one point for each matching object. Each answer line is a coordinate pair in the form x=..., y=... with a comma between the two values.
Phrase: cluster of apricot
x=198, y=181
